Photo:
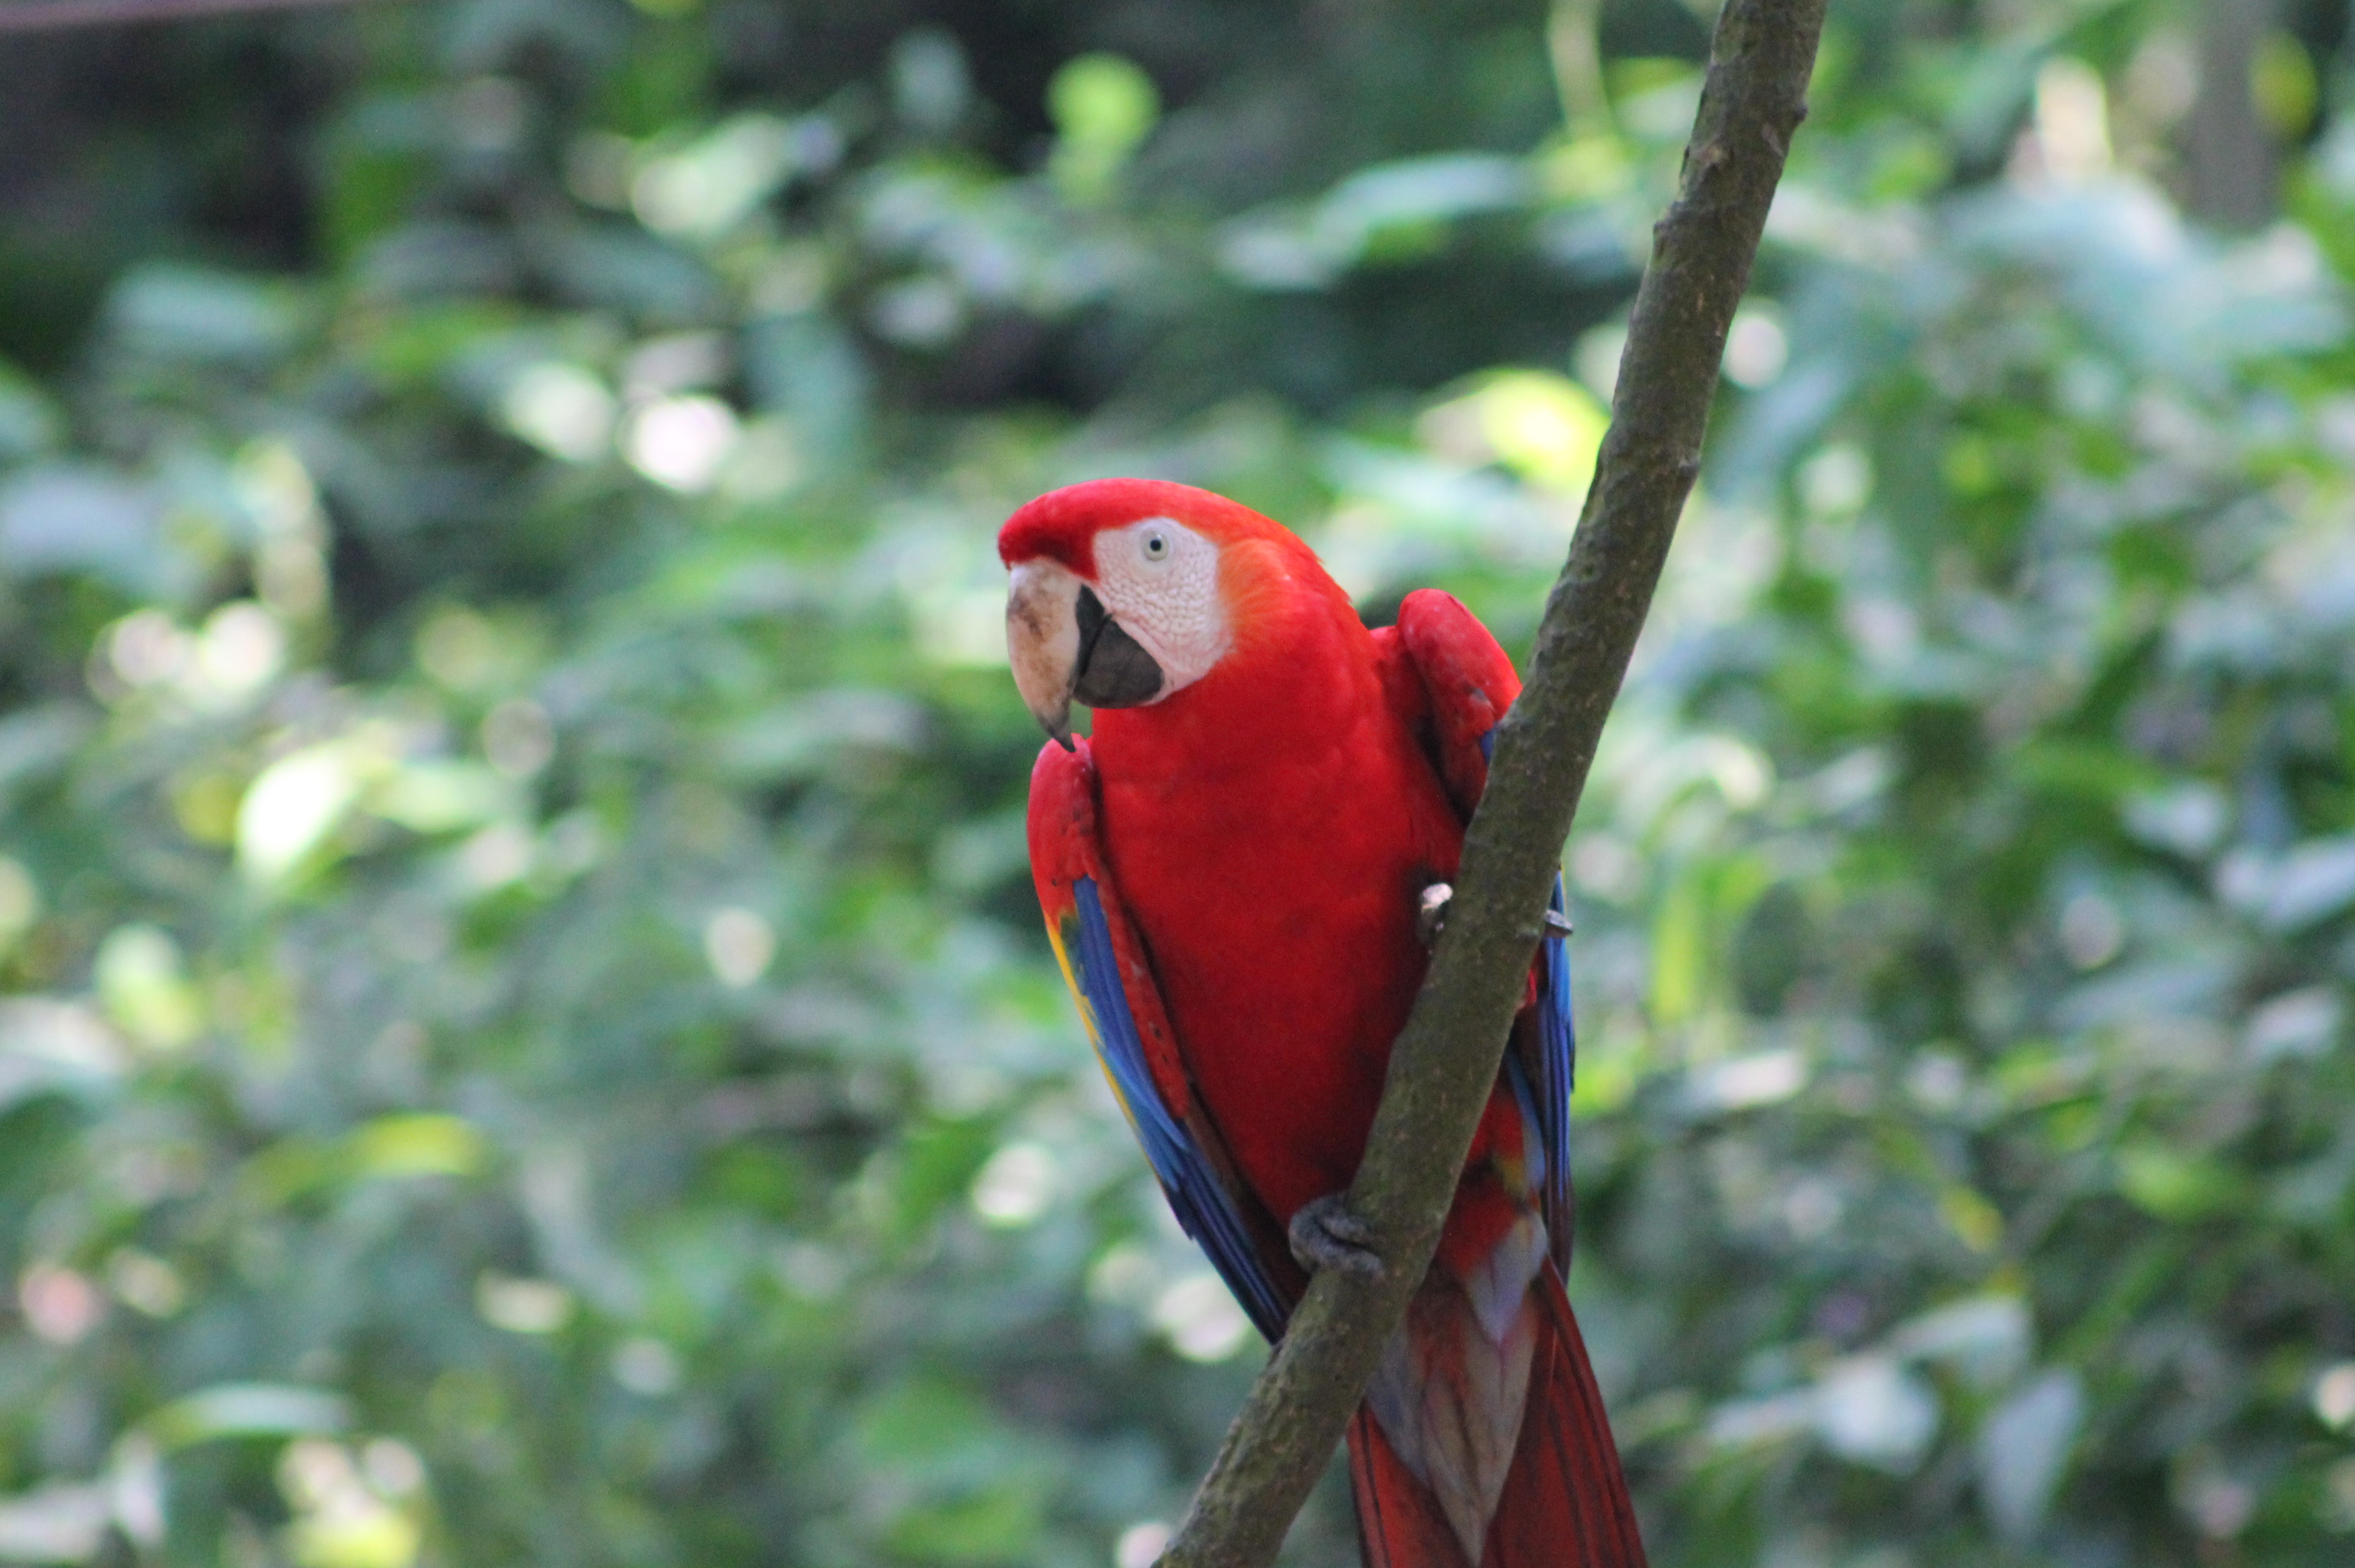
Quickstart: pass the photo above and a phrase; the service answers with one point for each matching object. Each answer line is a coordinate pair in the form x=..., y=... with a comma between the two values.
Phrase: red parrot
x=1240, y=871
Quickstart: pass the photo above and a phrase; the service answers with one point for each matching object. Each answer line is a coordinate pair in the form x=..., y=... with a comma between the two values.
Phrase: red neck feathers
x=1300, y=669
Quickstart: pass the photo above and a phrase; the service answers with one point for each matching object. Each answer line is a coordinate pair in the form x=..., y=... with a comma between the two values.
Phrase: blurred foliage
x=527, y=1038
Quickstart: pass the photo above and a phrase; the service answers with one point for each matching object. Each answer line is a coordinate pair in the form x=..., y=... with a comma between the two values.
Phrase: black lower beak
x=1114, y=670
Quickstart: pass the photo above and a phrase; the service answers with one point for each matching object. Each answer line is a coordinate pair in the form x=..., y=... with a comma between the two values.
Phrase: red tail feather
x=1565, y=1501
x=1399, y=1525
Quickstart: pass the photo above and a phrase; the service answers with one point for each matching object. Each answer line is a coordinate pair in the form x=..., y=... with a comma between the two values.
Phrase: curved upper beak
x=1063, y=645
x=1042, y=639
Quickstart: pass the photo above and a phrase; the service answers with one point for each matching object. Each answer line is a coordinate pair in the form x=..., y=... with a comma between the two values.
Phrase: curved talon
x=1431, y=912
x=1325, y=1235
x=1556, y=923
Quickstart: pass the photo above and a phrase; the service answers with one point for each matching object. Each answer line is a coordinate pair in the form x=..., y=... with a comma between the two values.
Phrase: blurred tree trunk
x=2231, y=154
x=1577, y=65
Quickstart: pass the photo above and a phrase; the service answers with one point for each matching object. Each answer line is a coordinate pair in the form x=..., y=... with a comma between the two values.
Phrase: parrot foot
x=1326, y=1235
x=1431, y=916
x=1431, y=913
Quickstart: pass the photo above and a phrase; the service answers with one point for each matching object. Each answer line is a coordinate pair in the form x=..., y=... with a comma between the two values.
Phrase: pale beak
x=1042, y=639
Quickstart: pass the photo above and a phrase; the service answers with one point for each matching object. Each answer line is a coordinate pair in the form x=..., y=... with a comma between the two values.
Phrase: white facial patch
x=1159, y=580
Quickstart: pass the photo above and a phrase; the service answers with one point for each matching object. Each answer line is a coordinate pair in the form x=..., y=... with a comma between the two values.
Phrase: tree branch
x=57, y=15
x=1444, y=1064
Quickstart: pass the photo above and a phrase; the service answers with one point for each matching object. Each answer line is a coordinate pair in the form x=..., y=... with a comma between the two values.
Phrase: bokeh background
x=526, y=1038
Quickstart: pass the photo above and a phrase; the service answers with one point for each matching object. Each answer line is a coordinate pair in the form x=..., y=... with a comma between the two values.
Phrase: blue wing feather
x=1557, y=1064
x=1204, y=1207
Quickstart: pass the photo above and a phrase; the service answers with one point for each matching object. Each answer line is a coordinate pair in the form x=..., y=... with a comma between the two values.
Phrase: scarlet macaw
x=1240, y=872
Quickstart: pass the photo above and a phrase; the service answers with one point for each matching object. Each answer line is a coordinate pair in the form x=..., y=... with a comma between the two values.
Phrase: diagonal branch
x=1445, y=1062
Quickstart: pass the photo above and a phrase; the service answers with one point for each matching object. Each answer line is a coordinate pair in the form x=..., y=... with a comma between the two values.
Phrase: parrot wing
x=1105, y=964
x=1466, y=683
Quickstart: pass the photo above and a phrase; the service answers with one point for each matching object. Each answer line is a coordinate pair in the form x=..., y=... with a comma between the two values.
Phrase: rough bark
x=1445, y=1063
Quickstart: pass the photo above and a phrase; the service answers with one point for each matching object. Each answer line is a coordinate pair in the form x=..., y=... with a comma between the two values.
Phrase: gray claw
x=1431, y=913
x=1326, y=1235
x=1557, y=923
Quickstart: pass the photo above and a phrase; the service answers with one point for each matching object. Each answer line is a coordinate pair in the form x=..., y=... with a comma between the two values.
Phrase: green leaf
x=247, y=1410
x=2176, y=1186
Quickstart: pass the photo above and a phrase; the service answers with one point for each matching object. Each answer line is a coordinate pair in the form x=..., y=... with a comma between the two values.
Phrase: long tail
x=1564, y=1503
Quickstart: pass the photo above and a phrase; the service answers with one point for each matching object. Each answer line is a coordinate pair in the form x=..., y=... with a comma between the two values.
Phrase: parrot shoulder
x=1464, y=681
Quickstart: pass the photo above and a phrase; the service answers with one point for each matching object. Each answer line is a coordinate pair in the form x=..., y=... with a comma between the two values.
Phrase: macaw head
x=1127, y=591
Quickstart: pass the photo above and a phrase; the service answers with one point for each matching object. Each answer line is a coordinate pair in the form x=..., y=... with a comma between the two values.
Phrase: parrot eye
x=1156, y=545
